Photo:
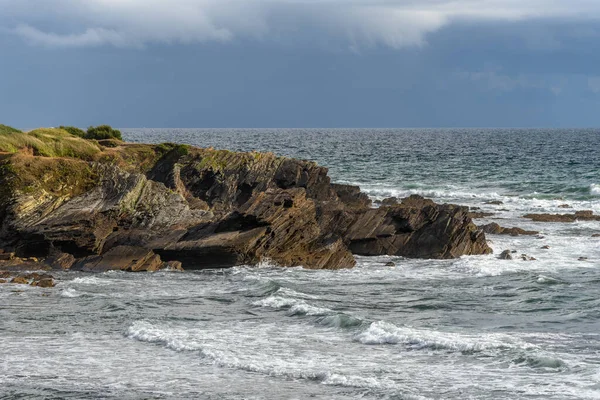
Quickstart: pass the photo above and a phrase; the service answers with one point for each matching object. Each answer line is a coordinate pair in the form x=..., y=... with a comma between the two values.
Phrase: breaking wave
x=179, y=340
x=381, y=332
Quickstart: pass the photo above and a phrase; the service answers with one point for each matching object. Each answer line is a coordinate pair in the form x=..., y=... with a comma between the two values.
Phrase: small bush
x=74, y=131
x=8, y=129
x=103, y=132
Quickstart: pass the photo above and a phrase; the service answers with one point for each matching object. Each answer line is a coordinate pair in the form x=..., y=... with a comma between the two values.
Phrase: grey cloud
x=394, y=23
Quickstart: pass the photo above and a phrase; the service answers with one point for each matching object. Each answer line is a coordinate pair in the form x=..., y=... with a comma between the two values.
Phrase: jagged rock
x=494, y=228
x=585, y=215
x=390, y=201
x=124, y=258
x=352, y=196
x=416, y=228
x=60, y=260
x=144, y=207
x=525, y=257
x=505, y=255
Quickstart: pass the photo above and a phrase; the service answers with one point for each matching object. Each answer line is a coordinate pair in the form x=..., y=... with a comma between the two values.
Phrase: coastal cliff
x=95, y=205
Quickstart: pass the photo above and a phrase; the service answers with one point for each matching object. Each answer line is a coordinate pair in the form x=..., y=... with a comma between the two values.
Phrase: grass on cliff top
x=36, y=175
x=46, y=142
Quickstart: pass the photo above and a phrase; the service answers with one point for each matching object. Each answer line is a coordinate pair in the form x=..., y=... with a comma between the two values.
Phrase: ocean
x=477, y=327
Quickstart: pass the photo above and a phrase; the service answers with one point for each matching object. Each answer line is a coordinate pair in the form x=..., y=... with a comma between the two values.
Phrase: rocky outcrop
x=494, y=228
x=416, y=228
x=586, y=215
x=150, y=207
x=32, y=279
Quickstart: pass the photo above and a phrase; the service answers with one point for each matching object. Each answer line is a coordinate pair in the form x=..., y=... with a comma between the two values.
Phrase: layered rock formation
x=148, y=207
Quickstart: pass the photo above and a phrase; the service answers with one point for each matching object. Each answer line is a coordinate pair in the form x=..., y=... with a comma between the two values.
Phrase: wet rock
x=20, y=280
x=7, y=256
x=546, y=247
x=494, y=202
x=390, y=264
x=582, y=259
x=505, y=255
x=596, y=235
x=525, y=257
x=494, y=228
x=173, y=266
x=585, y=215
x=2, y=281
x=43, y=283
x=124, y=258
x=564, y=206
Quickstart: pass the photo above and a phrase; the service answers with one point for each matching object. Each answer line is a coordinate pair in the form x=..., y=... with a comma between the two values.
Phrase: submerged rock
x=32, y=279
x=494, y=228
x=149, y=207
x=494, y=202
x=585, y=215
x=505, y=255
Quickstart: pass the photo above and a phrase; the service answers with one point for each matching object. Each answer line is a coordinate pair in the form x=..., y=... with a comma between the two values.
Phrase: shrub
x=103, y=132
x=74, y=131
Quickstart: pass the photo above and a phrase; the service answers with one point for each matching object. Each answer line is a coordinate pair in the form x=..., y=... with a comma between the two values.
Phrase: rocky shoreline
x=143, y=207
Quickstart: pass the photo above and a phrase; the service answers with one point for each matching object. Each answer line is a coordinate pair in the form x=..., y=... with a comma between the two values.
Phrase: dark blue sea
x=472, y=328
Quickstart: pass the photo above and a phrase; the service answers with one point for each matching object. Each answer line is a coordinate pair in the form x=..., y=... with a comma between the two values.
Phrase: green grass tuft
x=8, y=129
x=47, y=142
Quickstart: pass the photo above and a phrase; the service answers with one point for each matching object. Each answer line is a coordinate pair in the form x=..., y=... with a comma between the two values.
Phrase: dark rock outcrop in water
x=494, y=228
x=586, y=215
x=140, y=207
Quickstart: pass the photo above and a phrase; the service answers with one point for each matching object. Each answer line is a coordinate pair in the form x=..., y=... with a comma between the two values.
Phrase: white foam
x=268, y=364
x=92, y=280
x=595, y=189
x=70, y=292
x=294, y=306
x=382, y=332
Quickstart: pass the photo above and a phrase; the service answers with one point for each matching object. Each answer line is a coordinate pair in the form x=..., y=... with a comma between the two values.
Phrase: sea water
x=472, y=328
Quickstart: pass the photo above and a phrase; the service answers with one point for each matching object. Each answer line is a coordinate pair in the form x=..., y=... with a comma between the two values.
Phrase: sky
x=300, y=63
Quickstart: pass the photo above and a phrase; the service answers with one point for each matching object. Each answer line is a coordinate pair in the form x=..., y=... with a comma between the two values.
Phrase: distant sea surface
x=473, y=328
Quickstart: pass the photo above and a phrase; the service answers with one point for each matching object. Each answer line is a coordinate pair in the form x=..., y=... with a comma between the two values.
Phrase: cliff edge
x=105, y=204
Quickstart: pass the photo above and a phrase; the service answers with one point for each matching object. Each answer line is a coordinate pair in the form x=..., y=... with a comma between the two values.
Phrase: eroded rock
x=149, y=207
